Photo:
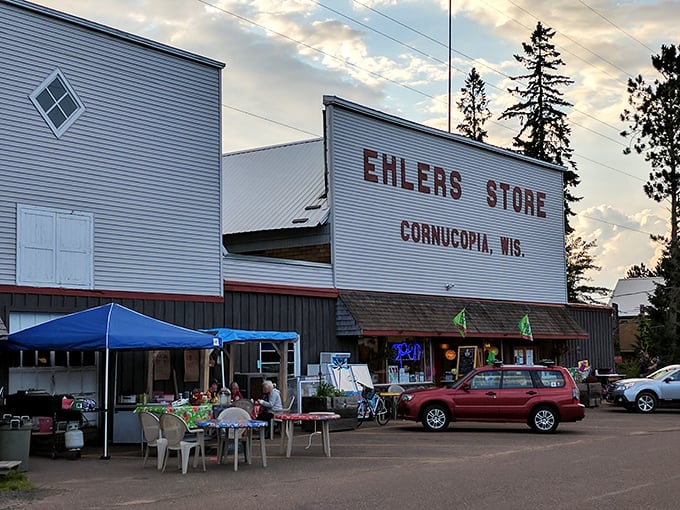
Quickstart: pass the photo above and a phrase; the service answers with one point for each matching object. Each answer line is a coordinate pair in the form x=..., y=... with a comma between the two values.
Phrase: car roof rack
x=547, y=362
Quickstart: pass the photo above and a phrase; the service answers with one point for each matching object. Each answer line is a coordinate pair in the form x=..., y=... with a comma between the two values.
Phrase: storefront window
x=397, y=360
x=523, y=355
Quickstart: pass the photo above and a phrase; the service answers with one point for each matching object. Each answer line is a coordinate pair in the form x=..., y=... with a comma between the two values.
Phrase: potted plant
x=328, y=398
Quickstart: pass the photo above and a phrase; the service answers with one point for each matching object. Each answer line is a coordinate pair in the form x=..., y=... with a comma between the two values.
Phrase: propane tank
x=73, y=437
x=225, y=397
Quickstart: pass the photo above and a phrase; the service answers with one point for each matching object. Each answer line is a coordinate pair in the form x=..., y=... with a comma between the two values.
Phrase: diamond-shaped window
x=57, y=102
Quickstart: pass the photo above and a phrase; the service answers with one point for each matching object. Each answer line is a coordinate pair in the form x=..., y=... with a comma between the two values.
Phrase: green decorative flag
x=460, y=322
x=525, y=328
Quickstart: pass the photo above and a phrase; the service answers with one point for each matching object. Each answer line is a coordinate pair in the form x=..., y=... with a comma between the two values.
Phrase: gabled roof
x=272, y=188
x=631, y=293
x=91, y=25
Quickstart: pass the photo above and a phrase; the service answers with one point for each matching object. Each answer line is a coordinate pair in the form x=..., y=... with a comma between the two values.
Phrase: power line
x=617, y=225
x=267, y=119
x=577, y=43
x=616, y=141
x=472, y=59
x=429, y=56
x=616, y=26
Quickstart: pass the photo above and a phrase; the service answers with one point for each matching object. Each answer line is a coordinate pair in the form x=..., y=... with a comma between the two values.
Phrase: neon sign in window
x=410, y=351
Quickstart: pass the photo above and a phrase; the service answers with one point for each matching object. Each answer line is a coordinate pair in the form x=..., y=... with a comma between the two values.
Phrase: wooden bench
x=7, y=465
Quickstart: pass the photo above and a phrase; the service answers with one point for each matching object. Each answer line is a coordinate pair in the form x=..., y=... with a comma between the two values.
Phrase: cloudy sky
x=282, y=56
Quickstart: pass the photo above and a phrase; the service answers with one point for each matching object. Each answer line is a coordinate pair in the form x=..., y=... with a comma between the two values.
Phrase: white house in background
x=111, y=174
x=630, y=296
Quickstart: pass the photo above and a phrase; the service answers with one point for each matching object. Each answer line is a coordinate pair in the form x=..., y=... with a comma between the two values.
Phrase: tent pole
x=224, y=381
x=105, y=455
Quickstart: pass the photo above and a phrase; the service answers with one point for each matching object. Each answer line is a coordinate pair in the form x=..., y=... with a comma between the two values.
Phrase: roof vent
x=300, y=220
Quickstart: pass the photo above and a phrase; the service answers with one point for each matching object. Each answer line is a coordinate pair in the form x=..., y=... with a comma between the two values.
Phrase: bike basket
x=367, y=393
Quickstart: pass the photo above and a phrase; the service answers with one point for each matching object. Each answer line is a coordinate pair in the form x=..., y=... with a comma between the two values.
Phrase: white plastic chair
x=174, y=430
x=151, y=427
x=244, y=404
x=285, y=410
x=231, y=415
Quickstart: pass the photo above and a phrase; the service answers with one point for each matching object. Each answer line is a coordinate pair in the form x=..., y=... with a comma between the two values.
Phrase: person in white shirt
x=271, y=403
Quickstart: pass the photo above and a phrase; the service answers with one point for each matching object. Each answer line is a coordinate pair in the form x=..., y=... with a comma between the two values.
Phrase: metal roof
x=277, y=187
x=631, y=293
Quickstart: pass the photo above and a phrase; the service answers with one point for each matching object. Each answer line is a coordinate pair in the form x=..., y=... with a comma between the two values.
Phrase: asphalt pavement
x=612, y=459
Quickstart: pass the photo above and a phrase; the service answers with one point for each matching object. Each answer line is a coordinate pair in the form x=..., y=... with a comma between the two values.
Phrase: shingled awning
x=361, y=313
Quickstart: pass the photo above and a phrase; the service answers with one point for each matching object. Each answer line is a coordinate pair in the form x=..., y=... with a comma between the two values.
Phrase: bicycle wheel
x=382, y=414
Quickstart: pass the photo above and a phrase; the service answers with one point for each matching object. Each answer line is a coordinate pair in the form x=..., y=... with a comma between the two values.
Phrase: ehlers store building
x=411, y=225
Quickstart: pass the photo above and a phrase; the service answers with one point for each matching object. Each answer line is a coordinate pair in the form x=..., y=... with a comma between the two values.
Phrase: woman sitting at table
x=235, y=391
x=213, y=392
x=270, y=403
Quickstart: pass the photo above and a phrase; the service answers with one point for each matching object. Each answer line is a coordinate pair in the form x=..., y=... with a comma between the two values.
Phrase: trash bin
x=15, y=441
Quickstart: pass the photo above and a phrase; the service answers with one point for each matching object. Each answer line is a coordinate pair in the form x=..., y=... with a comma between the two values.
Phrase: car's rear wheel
x=544, y=420
x=645, y=402
x=435, y=418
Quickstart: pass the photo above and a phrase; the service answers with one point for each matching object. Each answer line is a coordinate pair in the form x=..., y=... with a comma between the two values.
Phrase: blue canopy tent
x=104, y=328
x=279, y=339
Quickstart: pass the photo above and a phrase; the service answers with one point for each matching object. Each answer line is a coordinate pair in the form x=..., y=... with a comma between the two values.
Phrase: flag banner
x=525, y=328
x=460, y=322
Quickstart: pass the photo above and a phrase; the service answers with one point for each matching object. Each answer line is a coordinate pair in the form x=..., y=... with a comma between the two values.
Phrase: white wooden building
x=110, y=166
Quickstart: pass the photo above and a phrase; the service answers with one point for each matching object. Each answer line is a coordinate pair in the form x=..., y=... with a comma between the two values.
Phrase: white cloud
x=623, y=239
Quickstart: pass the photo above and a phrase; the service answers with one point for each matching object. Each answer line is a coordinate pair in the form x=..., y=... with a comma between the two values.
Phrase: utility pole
x=449, y=111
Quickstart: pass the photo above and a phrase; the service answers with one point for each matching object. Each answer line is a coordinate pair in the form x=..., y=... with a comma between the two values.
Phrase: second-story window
x=57, y=102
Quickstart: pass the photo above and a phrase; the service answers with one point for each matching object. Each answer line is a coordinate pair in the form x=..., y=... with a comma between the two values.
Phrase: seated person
x=213, y=392
x=271, y=403
x=235, y=391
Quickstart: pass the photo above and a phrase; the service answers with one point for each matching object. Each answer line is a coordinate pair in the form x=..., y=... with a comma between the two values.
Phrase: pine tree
x=640, y=271
x=654, y=129
x=474, y=106
x=544, y=132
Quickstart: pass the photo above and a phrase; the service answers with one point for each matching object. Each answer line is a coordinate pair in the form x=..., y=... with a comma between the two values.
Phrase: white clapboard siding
x=143, y=159
x=269, y=271
x=373, y=250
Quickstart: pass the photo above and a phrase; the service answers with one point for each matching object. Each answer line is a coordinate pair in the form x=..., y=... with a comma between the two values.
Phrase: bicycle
x=371, y=406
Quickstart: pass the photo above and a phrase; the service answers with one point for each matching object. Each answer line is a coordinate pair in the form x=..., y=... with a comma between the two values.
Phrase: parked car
x=646, y=394
x=541, y=396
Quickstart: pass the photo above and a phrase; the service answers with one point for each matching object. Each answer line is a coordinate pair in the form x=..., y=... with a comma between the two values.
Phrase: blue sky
x=282, y=56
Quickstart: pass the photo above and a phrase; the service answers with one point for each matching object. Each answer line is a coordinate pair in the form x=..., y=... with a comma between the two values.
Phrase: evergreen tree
x=474, y=106
x=579, y=260
x=544, y=132
x=640, y=271
x=653, y=119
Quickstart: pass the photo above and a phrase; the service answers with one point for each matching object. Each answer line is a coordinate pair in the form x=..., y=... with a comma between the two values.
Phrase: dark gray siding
x=313, y=318
x=600, y=323
x=131, y=365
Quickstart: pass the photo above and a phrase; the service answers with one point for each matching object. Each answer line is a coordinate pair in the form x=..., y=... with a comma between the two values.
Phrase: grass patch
x=15, y=481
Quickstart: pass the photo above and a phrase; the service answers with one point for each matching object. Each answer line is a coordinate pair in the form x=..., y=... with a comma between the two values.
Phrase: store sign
x=410, y=351
x=422, y=211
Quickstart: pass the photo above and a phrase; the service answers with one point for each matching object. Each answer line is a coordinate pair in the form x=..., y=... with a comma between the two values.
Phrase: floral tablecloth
x=190, y=414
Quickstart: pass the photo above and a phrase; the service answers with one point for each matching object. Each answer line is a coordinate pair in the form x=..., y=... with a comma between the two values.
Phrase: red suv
x=539, y=395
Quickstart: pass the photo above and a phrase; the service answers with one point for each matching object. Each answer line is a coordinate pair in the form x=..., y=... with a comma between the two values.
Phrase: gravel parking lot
x=612, y=459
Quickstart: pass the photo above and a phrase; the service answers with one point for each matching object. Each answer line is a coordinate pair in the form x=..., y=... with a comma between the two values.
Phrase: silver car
x=645, y=394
